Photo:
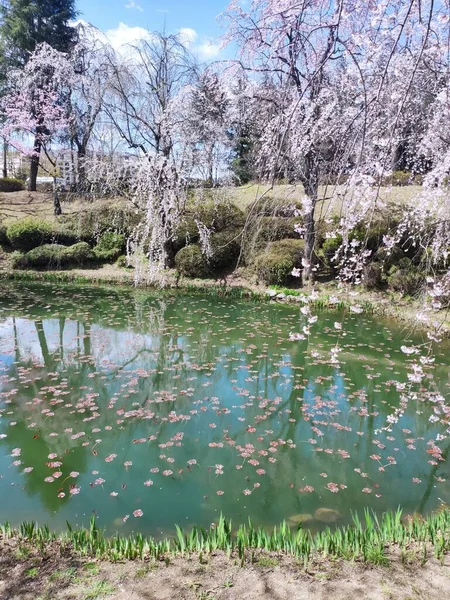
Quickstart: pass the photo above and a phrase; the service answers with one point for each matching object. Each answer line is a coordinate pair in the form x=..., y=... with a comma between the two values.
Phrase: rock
x=327, y=515
x=281, y=296
x=300, y=518
x=271, y=293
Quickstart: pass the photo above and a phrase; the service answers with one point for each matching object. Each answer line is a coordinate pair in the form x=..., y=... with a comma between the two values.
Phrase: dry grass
x=244, y=195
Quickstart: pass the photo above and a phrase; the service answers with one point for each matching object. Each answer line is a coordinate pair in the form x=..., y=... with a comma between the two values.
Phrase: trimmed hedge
x=226, y=248
x=218, y=216
x=274, y=266
x=9, y=184
x=54, y=255
x=190, y=262
x=26, y=234
x=110, y=246
x=406, y=278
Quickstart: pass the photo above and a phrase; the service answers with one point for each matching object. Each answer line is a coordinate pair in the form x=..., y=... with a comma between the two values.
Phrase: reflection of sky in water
x=127, y=372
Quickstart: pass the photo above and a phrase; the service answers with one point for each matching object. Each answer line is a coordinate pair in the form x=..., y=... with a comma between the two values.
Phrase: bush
x=186, y=233
x=373, y=277
x=29, y=233
x=274, y=266
x=111, y=241
x=190, y=262
x=53, y=256
x=8, y=184
x=271, y=229
x=399, y=178
x=219, y=215
x=78, y=254
x=4, y=241
x=406, y=278
x=329, y=249
x=97, y=219
x=110, y=246
x=226, y=248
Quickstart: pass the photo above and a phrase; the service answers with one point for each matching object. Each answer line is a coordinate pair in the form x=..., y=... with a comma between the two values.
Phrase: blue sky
x=123, y=20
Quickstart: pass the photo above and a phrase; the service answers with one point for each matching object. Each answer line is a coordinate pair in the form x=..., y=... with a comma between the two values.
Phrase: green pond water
x=151, y=409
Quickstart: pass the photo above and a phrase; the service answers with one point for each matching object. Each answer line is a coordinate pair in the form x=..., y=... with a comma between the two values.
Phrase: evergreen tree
x=27, y=23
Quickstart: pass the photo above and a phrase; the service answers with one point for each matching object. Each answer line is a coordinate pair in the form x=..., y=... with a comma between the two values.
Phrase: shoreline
x=380, y=304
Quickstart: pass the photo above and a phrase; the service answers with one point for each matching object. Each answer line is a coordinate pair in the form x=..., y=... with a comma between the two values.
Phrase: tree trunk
x=311, y=186
x=34, y=165
x=5, y=159
x=56, y=203
x=81, y=168
x=169, y=254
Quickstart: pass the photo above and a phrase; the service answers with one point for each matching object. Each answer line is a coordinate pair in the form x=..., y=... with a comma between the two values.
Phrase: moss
x=26, y=234
x=275, y=265
x=190, y=262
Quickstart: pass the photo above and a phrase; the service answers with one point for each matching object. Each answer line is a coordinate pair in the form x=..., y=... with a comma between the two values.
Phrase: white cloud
x=208, y=50
x=124, y=34
x=132, y=4
x=188, y=36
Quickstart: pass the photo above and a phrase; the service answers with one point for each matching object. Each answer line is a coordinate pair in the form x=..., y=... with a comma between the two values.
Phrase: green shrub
x=8, y=184
x=4, y=241
x=373, y=277
x=111, y=240
x=29, y=233
x=78, y=254
x=388, y=259
x=399, y=178
x=406, y=278
x=329, y=249
x=97, y=218
x=122, y=262
x=271, y=229
x=64, y=236
x=190, y=262
x=54, y=256
x=274, y=267
x=218, y=216
x=185, y=233
x=110, y=246
x=226, y=248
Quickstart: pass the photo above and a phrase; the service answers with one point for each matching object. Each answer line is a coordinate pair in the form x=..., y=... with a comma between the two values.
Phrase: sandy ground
x=26, y=574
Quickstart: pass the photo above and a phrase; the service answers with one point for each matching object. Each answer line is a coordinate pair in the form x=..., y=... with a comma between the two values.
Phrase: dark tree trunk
x=169, y=255
x=34, y=165
x=5, y=159
x=81, y=168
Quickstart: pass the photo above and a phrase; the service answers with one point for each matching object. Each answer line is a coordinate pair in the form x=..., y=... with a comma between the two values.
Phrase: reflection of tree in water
x=175, y=350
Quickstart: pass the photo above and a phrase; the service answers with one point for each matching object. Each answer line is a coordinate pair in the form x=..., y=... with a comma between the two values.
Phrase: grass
x=99, y=589
x=244, y=195
x=366, y=539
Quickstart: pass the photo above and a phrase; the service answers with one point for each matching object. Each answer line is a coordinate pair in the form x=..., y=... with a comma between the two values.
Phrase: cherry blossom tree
x=36, y=107
x=352, y=76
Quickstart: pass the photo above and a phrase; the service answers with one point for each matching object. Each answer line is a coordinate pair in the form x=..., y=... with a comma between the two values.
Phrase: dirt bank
x=56, y=574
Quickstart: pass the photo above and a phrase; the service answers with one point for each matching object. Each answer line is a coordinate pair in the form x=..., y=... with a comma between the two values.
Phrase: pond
x=150, y=409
